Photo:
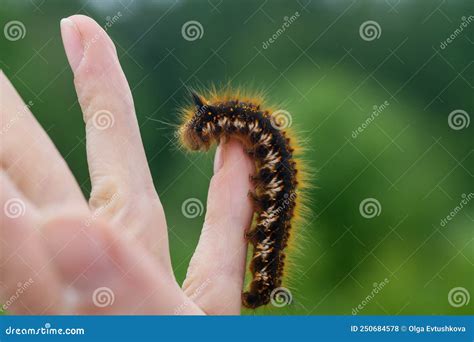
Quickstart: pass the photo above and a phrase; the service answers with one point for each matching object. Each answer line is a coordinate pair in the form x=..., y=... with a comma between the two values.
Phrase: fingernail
x=219, y=158
x=72, y=42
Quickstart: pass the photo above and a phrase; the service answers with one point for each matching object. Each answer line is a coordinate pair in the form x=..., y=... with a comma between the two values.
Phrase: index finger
x=115, y=152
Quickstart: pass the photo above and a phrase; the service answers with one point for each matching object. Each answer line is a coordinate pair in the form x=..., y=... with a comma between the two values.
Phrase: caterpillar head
x=197, y=130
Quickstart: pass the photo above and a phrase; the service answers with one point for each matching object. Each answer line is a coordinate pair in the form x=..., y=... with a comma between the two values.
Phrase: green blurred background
x=408, y=158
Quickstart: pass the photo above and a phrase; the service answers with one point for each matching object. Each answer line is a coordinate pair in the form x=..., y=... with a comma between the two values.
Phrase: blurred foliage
x=329, y=79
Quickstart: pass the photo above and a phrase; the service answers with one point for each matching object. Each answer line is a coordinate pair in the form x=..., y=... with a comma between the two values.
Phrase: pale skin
x=117, y=239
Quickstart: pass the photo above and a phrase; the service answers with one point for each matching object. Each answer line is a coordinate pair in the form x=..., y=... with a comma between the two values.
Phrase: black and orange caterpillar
x=267, y=140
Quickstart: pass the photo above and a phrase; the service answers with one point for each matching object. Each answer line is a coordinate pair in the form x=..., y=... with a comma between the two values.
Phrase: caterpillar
x=275, y=197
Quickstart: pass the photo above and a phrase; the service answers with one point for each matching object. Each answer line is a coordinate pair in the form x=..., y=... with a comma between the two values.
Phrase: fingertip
x=72, y=42
x=235, y=167
x=85, y=40
x=94, y=37
x=232, y=158
x=228, y=192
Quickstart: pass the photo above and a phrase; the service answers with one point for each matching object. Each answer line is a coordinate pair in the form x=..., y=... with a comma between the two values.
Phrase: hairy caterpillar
x=276, y=197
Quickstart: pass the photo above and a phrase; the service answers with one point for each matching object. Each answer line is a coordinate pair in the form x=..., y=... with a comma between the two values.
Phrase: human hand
x=74, y=254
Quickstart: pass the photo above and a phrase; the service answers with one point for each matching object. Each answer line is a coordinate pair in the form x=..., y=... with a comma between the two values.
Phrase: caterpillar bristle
x=279, y=179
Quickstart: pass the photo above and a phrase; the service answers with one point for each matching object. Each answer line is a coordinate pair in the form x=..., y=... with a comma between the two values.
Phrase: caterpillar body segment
x=208, y=120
